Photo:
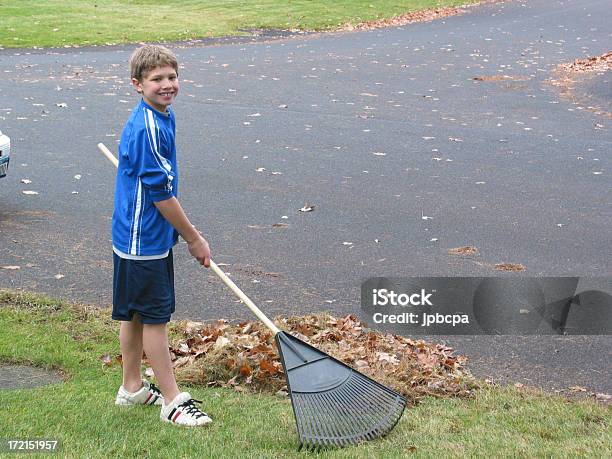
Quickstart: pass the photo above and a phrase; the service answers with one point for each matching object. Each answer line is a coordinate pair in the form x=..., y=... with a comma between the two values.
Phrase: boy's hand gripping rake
x=333, y=404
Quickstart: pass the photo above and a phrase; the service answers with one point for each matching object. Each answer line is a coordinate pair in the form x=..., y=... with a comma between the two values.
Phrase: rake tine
x=344, y=396
x=297, y=408
x=374, y=426
x=344, y=412
x=386, y=399
x=372, y=419
x=320, y=427
x=380, y=426
x=304, y=423
x=335, y=426
x=318, y=421
x=304, y=415
x=326, y=421
x=317, y=427
x=343, y=425
x=312, y=421
x=367, y=417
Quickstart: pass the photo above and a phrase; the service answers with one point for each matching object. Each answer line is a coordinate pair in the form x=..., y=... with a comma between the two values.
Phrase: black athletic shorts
x=145, y=287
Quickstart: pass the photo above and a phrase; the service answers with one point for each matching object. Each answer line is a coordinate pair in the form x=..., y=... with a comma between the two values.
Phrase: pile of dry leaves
x=408, y=18
x=244, y=356
x=566, y=75
x=414, y=16
x=590, y=64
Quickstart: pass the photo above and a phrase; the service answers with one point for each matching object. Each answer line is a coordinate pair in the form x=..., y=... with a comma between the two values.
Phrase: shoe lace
x=190, y=408
x=153, y=388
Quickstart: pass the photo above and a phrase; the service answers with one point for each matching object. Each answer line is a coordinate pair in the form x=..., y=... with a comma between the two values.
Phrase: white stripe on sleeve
x=137, y=221
x=151, y=129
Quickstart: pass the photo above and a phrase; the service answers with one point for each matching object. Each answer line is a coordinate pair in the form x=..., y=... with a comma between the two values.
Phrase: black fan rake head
x=333, y=404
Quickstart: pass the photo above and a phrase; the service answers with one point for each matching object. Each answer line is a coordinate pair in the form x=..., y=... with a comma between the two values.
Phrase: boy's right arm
x=173, y=212
x=157, y=176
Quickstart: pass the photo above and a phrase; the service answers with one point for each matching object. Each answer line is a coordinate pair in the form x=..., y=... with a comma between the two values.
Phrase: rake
x=333, y=404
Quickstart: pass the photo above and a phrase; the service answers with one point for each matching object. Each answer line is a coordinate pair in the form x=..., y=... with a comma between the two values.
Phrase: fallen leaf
x=516, y=267
x=307, y=208
x=385, y=357
x=221, y=342
x=465, y=250
x=181, y=361
x=268, y=367
x=577, y=389
x=245, y=370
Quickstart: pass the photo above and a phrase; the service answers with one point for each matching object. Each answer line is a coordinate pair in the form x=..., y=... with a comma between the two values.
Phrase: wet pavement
x=26, y=377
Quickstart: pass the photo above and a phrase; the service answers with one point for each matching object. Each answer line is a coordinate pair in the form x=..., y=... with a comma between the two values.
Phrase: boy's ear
x=137, y=85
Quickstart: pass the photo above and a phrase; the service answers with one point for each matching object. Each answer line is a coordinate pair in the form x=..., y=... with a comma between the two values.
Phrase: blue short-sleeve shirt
x=147, y=173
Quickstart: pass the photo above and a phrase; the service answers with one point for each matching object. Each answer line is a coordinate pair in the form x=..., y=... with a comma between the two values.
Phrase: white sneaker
x=148, y=394
x=182, y=411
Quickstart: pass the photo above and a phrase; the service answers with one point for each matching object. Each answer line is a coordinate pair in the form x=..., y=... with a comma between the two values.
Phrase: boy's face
x=158, y=87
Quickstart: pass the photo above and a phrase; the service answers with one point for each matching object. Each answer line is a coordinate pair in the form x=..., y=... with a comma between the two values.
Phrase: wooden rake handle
x=226, y=280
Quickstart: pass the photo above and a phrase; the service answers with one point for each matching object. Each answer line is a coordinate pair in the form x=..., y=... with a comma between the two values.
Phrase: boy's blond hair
x=147, y=57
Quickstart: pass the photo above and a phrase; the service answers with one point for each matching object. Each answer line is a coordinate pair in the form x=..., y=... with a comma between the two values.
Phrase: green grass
x=46, y=23
x=499, y=422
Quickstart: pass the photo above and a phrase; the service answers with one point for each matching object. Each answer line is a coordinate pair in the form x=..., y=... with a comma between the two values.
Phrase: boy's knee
x=161, y=326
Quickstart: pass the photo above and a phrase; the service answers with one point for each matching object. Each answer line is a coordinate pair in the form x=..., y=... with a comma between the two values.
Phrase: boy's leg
x=155, y=341
x=130, y=339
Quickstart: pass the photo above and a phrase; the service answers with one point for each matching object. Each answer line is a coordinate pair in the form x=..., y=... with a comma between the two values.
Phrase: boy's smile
x=159, y=87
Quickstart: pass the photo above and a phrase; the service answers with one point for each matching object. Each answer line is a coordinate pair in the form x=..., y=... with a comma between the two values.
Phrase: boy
x=146, y=223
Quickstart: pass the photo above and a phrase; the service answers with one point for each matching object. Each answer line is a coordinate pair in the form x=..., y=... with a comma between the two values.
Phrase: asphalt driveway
x=408, y=141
